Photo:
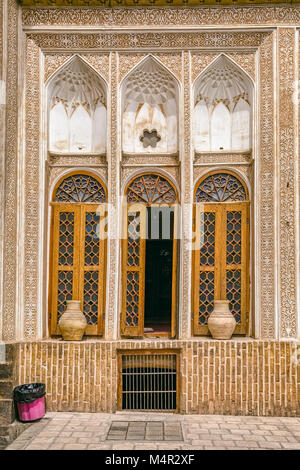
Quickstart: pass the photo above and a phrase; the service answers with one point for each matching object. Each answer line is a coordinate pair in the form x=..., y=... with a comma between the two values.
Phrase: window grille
x=149, y=382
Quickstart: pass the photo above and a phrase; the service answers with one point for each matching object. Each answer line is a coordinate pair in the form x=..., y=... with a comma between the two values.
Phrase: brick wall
x=248, y=377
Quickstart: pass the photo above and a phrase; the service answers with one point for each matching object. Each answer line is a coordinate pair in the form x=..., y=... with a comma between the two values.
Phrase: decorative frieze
x=166, y=40
x=222, y=158
x=155, y=16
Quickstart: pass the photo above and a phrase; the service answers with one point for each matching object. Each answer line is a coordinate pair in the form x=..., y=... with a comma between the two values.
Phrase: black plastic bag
x=27, y=393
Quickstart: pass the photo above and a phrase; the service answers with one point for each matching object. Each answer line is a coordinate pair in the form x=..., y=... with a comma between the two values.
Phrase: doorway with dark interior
x=159, y=271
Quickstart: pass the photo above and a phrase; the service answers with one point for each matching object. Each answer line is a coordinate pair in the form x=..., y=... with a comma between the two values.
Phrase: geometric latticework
x=206, y=295
x=66, y=238
x=90, y=297
x=132, y=299
x=79, y=250
x=91, y=239
x=220, y=187
x=234, y=237
x=221, y=262
x=65, y=288
x=80, y=188
x=207, y=239
x=233, y=292
x=151, y=189
x=133, y=242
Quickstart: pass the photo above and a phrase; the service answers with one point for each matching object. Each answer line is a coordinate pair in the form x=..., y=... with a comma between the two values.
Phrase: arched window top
x=80, y=188
x=151, y=189
x=223, y=81
x=220, y=187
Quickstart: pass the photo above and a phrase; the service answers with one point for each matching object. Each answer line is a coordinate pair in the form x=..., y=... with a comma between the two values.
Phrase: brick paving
x=148, y=431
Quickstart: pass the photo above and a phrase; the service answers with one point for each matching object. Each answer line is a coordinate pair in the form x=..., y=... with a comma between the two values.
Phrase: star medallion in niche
x=150, y=138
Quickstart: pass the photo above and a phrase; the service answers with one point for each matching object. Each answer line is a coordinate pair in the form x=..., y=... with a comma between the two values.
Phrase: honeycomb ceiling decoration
x=150, y=83
x=147, y=3
x=222, y=81
x=75, y=84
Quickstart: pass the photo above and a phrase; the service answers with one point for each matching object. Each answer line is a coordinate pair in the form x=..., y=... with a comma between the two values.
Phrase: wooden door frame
x=203, y=330
x=55, y=207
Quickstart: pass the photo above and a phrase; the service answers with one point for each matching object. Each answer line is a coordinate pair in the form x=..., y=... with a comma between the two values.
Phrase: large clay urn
x=72, y=323
x=221, y=322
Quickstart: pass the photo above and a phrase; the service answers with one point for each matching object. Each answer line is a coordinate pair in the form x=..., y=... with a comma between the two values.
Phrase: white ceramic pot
x=221, y=322
x=72, y=323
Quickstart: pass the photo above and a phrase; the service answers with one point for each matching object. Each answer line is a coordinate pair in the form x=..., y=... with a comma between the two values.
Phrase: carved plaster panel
x=167, y=40
x=187, y=199
x=172, y=60
x=287, y=118
x=54, y=61
x=172, y=171
x=113, y=157
x=265, y=187
x=55, y=172
x=150, y=159
x=185, y=16
x=246, y=60
x=245, y=170
x=222, y=158
x=32, y=191
x=73, y=160
x=11, y=181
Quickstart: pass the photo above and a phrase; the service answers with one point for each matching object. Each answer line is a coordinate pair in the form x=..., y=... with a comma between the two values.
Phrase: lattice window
x=66, y=238
x=132, y=299
x=151, y=189
x=80, y=188
x=220, y=187
x=79, y=245
x=65, y=290
x=221, y=254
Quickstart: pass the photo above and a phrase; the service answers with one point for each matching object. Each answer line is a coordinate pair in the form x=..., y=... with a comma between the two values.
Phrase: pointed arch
x=77, y=84
x=223, y=81
x=150, y=83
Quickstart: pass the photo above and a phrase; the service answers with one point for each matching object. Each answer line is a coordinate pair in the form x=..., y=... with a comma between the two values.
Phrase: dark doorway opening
x=158, y=270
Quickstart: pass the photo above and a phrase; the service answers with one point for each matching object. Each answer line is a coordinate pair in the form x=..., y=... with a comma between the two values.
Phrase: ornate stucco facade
x=260, y=374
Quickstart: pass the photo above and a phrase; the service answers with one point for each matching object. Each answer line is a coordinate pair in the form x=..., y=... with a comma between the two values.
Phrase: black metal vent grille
x=149, y=382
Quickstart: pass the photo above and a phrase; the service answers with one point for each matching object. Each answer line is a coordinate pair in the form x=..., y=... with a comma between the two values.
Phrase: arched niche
x=222, y=108
x=150, y=109
x=76, y=109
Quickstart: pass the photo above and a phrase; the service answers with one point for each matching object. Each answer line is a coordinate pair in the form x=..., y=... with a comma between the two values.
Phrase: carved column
x=264, y=194
x=112, y=304
x=186, y=204
x=9, y=166
x=286, y=190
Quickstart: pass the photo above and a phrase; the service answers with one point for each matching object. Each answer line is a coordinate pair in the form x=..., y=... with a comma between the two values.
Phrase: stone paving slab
x=157, y=431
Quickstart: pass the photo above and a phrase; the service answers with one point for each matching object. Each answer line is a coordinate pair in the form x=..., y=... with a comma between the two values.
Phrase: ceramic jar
x=221, y=322
x=72, y=323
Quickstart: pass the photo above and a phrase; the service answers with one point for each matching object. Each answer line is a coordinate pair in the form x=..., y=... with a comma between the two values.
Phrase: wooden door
x=133, y=271
x=78, y=263
x=220, y=259
x=133, y=275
